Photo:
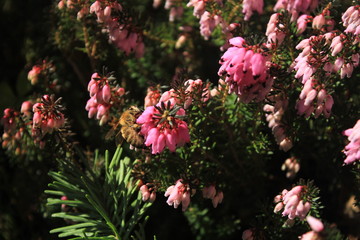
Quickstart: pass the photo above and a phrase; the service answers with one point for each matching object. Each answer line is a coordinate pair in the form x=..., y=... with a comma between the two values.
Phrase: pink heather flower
x=315, y=224
x=156, y=3
x=180, y=41
x=309, y=236
x=292, y=204
x=291, y=166
x=216, y=90
x=208, y=24
x=145, y=192
x=83, y=11
x=148, y=193
x=274, y=31
x=295, y=7
x=352, y=149
x=101, y=98
x=336, y=44
x=346, y=70
x=217, y=199
x=248, y=235
x=34, y=73
x=120, y=34
x=302, y=22
x=171, y=96
x=319, y=21
x=246, y=71
x=64, y=206
x=274, y=115
x=249, y=6
x=152, y=96
x=209, y=192
x=351, y=19
x=26, y=108
x=47, y=117
x=175, y=13
x=162, y=127
x=61, y=4
x=305, y=63
x=196, y=90
x=199, y=7
x=8, y=120
x=178, y=194
x=69, y=3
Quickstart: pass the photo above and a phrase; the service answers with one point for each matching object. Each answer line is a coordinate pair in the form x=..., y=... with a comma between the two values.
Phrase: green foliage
x=98, y=207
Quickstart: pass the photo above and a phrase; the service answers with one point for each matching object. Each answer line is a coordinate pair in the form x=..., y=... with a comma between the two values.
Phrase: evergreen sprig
x=98, y=207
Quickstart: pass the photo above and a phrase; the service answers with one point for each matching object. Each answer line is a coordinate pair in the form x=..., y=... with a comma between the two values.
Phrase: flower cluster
x=176, y=10
x=152, y=96
x=34, y=73
x=301, y=23
x=310, y=59
x=291, y=166
x=210, y=192
x=344, y=64
x=162, y=126
x=26, y=109
x=293, y=203
x=120, y=34
x=249, y=6
x=101, y=97
x=208, y=20
x=178, y=194
x=12, y=134
x=47, y=117
x=199, y=7
x=274, y=117
x=307, y=105
x=296, y=7
x=351, y=20
x=246, y=71
x=317, y=227
x=323, y=21
x=275, y=31
x=148, y=193
x=352, y=149
x=43, y=73
x=195, y=90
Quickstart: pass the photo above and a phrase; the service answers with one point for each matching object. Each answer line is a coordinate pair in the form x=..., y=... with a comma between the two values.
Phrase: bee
x=129, y=128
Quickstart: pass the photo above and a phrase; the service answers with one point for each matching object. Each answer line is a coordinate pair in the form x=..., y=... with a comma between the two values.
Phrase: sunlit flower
x=178, y=194
x=292, y=203
x=246, y=71
x=162, y=126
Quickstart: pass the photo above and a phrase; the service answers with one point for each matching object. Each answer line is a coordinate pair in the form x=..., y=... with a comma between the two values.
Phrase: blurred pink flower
x=302, y=22
x=152, y=97
x=34, y=73
x=249, y=6
x=295, y=7
x=315, y=224
x=352, y=149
